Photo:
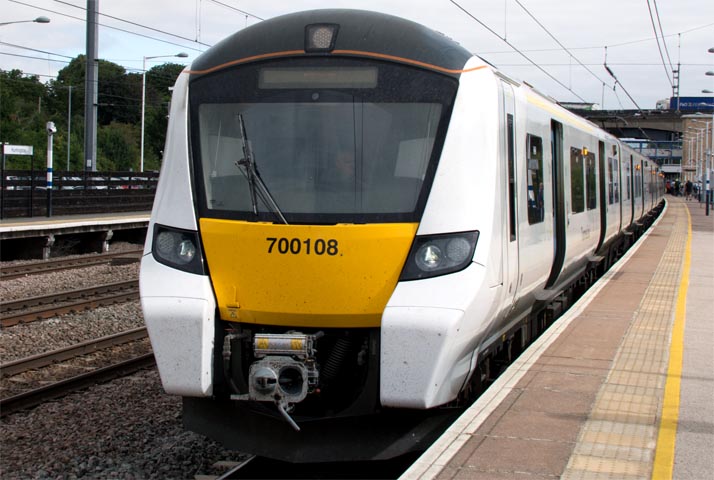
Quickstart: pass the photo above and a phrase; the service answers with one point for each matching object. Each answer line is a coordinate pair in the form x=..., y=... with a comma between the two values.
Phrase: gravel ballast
x=125, y=429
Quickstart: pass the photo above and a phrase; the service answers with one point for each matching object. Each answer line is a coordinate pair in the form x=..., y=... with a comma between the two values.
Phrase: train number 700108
x=307, y=246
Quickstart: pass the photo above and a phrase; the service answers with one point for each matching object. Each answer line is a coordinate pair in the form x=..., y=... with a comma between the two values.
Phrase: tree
x=159, y=80
x=117, y=148
x=119, y=93
x=26, y=104
x=22, y=115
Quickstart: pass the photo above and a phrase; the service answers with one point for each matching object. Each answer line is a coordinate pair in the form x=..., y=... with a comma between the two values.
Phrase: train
x=358, y=223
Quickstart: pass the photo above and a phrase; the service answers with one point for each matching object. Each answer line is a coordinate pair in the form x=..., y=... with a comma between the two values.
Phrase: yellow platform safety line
x=667, y=435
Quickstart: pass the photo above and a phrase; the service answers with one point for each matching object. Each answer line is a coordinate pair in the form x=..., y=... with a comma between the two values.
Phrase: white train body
x=240, y=285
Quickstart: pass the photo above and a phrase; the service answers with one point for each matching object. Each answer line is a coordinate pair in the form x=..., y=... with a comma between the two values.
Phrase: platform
x=15, y=226
x=621, y=386
x=43, y=232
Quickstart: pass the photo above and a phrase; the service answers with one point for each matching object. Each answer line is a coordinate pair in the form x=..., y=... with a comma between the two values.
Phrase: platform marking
x=64, y=222
x=667, y=436
x=436, y=457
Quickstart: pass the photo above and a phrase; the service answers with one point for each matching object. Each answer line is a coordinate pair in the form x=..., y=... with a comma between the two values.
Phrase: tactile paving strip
x=619, y=439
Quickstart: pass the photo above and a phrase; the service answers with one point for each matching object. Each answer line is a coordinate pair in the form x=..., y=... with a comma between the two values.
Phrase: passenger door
x=559, y=213
x=511, y=260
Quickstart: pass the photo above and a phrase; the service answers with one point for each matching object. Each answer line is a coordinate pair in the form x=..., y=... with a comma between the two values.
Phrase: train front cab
x=300, y=260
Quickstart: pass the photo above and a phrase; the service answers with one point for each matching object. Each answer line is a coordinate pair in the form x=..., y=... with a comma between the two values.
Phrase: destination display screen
x=318, y=77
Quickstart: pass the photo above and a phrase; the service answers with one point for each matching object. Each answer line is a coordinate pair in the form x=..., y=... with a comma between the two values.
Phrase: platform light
x=41, y=19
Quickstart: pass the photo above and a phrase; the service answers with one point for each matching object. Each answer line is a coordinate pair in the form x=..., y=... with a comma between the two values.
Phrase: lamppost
x=37, y=20
x=705, y=154
x=708, y=166
x=143, y=99
x=690, y=160
x=711, y=146
x=696, y=133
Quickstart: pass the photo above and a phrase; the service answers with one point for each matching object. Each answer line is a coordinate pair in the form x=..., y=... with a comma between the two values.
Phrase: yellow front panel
x=304, y=275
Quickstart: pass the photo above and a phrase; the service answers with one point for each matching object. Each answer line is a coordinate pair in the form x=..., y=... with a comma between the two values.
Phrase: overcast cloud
x=584, y=27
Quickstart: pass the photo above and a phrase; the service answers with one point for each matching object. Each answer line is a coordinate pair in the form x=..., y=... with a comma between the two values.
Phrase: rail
x=40, y=360
x=46, y=266
x=47, y=306
x=54, y=390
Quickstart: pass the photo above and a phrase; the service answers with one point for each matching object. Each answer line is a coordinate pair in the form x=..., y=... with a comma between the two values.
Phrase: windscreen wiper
x=258, y=189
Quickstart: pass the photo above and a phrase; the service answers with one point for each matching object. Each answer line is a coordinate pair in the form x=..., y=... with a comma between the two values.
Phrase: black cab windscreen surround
x=317, y=140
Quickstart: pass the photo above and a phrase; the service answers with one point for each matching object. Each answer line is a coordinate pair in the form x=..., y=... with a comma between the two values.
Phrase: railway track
x=46, y=266
x=46, y=306
x=60, y=388
x=112, y=362
x=21, y=365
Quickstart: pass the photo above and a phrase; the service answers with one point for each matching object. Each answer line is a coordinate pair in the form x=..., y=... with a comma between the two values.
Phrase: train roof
x=359, y=32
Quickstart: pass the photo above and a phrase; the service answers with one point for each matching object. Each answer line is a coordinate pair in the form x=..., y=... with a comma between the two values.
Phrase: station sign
x=17, y=149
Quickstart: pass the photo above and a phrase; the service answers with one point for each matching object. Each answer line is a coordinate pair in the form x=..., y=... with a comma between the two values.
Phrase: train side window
x=577, y=190
x=534, y=149
x=628, y=178
x=613, y=181
x=590, y=181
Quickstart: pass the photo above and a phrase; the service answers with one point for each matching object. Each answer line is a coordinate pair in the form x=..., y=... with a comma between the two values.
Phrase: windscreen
x=311, y=141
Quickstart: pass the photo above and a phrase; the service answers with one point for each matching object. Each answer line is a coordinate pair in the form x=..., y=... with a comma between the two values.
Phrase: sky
x=569, y=40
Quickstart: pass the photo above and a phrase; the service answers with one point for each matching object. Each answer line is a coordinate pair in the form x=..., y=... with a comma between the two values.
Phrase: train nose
x=319, y=276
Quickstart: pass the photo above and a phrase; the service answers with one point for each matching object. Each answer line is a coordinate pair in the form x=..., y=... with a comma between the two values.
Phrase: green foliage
x=22, y=120
x=26, y=105
x=117, y=149
x=158, y=82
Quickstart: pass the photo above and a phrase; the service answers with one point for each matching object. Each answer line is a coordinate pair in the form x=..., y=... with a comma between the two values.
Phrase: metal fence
x=24, y=193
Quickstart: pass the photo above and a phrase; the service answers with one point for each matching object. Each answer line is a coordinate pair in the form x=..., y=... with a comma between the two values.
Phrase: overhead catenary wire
x=21, y=47
x=198, y=15
x=33, y=58
x=136, y=24
x=133, y=102
x=469, y=14
x=612, y=74
x=659, y=22
x=598, y=47
x=110, y=27
x=139, y=70
x=237, y=9
x=659, y=47
x=198, y=19
x=558, y=42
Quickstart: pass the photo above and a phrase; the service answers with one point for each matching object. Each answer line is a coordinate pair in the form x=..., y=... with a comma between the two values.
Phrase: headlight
x=435, y=255
x=178, y=249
